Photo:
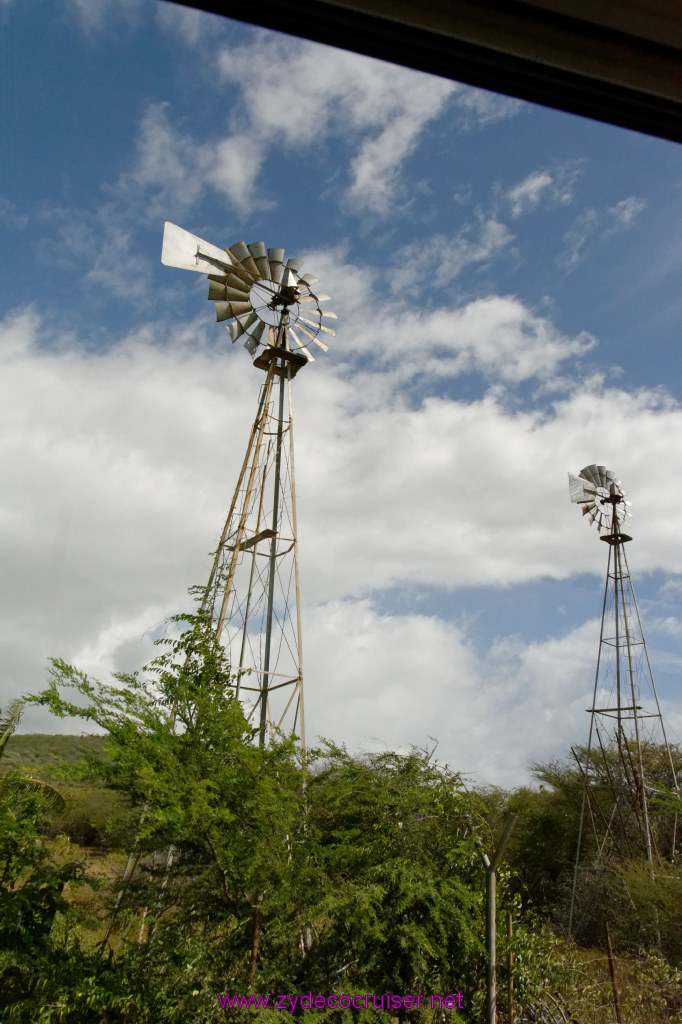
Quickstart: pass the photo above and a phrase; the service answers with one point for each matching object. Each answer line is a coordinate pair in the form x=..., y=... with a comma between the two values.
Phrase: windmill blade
x=325, y=348
x=251, y=345
x=253, y=339
x=260, y=258
x=320, y=327
x=294, y=265
x=228, y=310
x=257, y=332
x=321, y=312
x=590, y=473
x=236, y=278
x=241, y=325
x=241, y=253
x=186, y=251
x=276, y=261
x=222, y=292
x=310, y=279
x=588, y=508
x=315, y=298
x=602, y=471
x=302, y=348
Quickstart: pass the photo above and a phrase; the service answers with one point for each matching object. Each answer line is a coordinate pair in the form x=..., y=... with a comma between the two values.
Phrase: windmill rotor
x=256, y=293
x=600, y=495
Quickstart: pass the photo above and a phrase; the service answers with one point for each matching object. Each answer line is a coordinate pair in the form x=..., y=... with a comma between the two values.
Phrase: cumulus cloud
x=388, y=681
x=498, y=337
x=119, y=465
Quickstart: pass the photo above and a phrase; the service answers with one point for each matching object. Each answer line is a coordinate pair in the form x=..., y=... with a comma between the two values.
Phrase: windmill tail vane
x=601, y=496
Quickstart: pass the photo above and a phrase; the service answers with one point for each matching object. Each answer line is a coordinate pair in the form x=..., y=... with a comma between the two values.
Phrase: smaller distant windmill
x=627, y=752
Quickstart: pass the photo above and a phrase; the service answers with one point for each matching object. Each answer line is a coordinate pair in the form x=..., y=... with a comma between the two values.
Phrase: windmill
x=627, y=753
x=253, y=592
x=253, y=595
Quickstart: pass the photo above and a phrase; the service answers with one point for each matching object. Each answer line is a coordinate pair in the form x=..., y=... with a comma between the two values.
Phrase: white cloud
x=625, y=212
x=388, y=681
x=552, y=186
x=233, y=169
x=481, y=107
x=93, y=16
x=584, y=227
x=496, y=336
x=526, y=195
x=296, y=94
x=113, y=497
x=100, y=250
x=591, y=223
x=669, y=625
x=375, y=184
x=194, y=27
x=170, y=167
x=439, y=260
x=10, y=216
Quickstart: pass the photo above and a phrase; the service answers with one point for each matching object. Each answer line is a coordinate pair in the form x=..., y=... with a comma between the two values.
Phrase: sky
x=507, y=283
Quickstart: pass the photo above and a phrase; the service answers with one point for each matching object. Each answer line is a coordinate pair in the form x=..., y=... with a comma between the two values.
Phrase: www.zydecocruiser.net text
x=385, y=1001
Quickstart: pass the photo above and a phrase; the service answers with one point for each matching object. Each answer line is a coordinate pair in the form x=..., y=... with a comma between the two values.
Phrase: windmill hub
x=286, y=297
x=271, y=306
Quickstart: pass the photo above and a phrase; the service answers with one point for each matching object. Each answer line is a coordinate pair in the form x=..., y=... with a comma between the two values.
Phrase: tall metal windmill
x=627, y=753
x=253, y=595
x=253, y=589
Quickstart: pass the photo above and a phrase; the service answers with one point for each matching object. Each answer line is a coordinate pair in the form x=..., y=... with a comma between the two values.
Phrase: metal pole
x=510, y=976
x=612, y=972
x=490, y=917
x=640, y=763
x=576, y=865
x=294, y=523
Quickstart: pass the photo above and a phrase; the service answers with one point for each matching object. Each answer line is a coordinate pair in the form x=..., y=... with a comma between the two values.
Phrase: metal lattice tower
x=627, y=755
x=253, y=589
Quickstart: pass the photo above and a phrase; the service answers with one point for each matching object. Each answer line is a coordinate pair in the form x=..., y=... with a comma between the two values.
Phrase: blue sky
x=507, y=284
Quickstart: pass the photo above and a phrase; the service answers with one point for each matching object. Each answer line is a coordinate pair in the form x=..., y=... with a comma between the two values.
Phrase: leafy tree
x=288, y=873
x=31, y=886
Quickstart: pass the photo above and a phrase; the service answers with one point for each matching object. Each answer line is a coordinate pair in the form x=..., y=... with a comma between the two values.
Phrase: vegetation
x=265, y=871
